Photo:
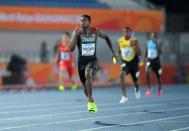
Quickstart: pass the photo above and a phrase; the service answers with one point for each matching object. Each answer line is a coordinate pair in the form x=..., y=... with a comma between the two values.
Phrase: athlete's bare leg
x=122, y=83
x=88, y=83
x=158, y=76
x=61, y=76
x=148, y=78
x=136, y=84
x=85, y=89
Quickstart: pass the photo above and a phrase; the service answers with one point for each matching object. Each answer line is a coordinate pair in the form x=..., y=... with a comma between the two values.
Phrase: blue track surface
x=66, y=111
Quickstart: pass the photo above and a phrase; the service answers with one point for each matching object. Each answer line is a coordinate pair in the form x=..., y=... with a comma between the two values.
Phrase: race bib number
x=64, y=56
x=127, y=52
x=88, y=49
x=152, y=54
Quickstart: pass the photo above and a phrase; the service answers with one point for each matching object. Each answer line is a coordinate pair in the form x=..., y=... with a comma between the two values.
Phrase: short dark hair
x=87, y=16
x=155, y=34
x=125, y=29
x=66, y=33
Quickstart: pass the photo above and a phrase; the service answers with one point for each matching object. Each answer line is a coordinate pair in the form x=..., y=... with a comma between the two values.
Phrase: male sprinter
x=130, y=52
x=152, y=58
x=85, y=38
x=66, y=62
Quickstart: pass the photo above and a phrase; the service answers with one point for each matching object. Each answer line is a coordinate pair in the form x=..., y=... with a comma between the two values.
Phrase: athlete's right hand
x=76, y=30
x=114, y=57
x=114, y=54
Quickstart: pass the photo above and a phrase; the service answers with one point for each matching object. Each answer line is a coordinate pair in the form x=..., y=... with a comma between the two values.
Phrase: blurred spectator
x=55, y=49
x=18, y=71
x=55, y=69
x=44, y=53
x=181, y=74
x=181, y=77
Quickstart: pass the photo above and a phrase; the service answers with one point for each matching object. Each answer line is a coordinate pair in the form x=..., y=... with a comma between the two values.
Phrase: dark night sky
x=173, y=6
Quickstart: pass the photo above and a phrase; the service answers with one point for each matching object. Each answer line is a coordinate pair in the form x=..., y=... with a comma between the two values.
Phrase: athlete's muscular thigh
x=88, y=72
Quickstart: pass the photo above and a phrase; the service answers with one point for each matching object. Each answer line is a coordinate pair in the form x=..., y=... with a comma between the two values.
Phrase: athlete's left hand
x=114, y=57
x=114, y=54
x=133, y=43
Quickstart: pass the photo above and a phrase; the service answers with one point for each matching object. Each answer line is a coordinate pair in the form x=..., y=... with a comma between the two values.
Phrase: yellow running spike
x=114, y=60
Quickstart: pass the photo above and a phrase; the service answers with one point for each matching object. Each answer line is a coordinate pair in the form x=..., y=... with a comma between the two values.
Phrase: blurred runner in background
x=130, y=52
x=65, y=60
x=152, y=59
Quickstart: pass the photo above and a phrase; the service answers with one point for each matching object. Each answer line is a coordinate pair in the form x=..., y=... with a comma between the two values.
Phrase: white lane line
x=21, y=102
x=173, y=122
x=91, y=118
x=77, y=112
x=68, y=107
x=180, y=129
x=24, y=102
x=135, y=123
x=50, y=108
x=41, y=105
x=34, y=105
x=71, y=102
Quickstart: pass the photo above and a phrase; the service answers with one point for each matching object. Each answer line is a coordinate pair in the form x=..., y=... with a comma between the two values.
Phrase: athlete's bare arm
x=107, y=38
x=134, y=44
x=145, y=53
x=73, y=42
x=160, y=48
x=119, y=50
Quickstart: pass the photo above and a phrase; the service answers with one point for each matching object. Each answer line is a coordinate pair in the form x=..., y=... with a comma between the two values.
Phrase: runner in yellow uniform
x=130, y=52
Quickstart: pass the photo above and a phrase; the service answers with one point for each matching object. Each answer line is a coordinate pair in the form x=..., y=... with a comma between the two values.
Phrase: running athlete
x=66, y=62
x=130, y=52
x=85, y=37
x=152, y=58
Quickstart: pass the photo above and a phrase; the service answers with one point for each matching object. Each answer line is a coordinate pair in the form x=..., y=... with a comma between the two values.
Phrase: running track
x=66, y=111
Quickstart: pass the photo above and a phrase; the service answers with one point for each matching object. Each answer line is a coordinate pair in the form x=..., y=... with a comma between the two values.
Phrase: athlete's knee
x=88, y=73
x=122, y=74
x=148, y=74
x=160, y=71
x=148, y=70
x=137, y=75
x=135, y=80
x=135, y=83
x=88, y=76
x=158, y=76
x=147, y=66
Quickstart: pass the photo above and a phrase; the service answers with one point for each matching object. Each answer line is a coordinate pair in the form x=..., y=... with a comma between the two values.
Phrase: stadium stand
x=129, y=4
x=56, y=3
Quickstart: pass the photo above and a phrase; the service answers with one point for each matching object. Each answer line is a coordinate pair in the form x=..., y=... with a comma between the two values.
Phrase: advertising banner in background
x=45, y=74
x=58, y=19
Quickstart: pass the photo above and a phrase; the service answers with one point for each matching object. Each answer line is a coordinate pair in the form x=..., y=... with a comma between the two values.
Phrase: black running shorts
x=82, y=66
x=131, y=67
x=155, y=65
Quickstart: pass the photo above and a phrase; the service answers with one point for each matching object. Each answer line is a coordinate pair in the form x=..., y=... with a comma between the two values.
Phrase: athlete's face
x=127, y=33
x=65, y=39
x=154, y=37
x=85, y=22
